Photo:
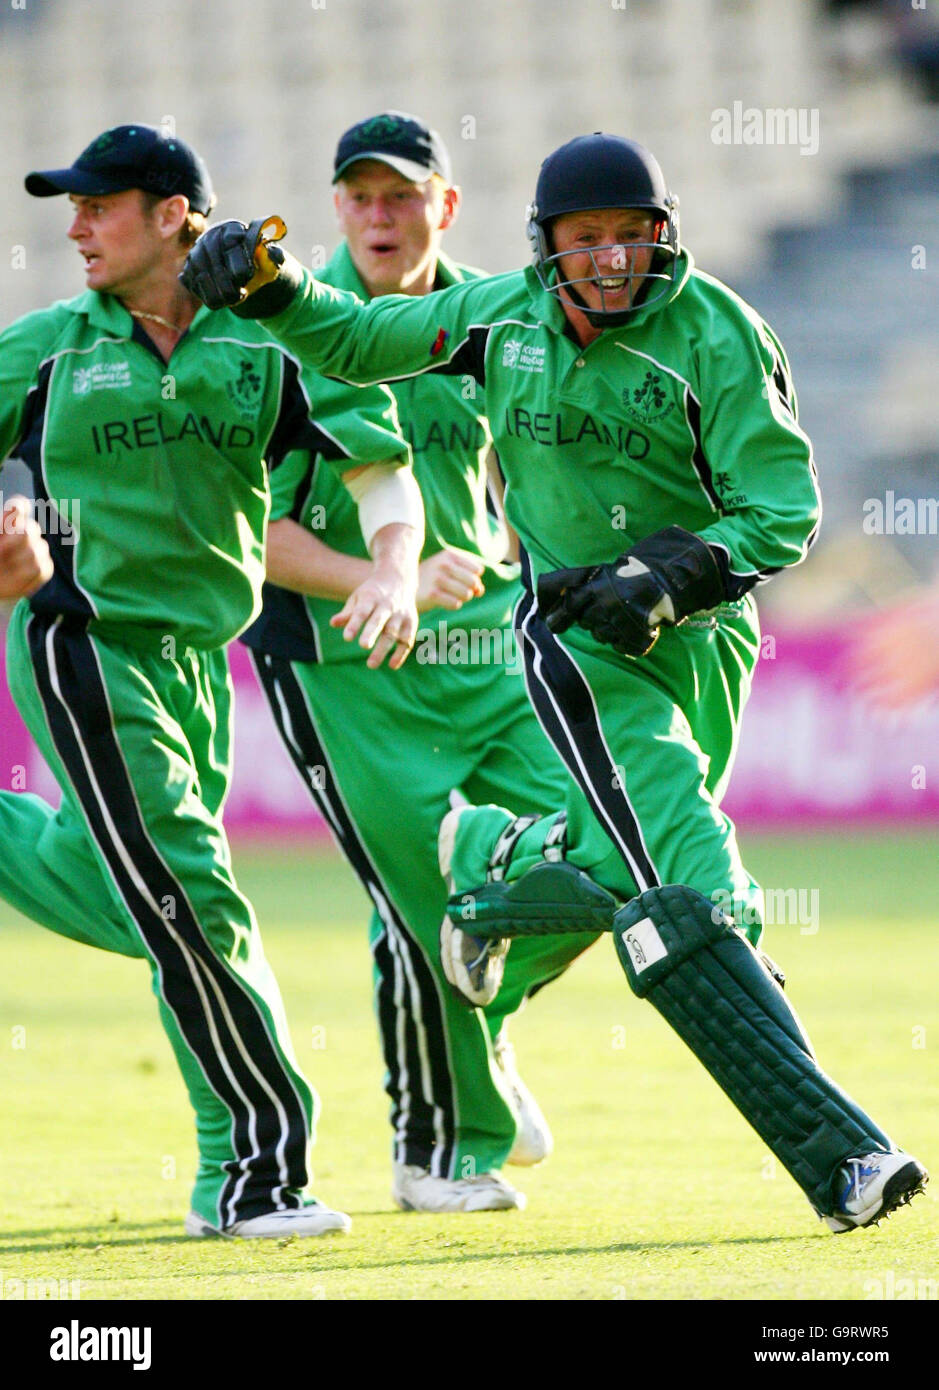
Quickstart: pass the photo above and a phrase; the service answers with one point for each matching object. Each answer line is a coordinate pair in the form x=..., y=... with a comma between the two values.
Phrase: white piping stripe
x=79, y=352
x=144, y=891
x=398, y=945
x=403, y=1071
x=420, y=1029
x=271, y=346
x=661, y=365
x=190, y=959
x=245, y=1054
x=158, y=964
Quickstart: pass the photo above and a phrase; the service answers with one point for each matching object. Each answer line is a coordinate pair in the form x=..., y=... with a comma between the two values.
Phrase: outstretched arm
x=392, y=337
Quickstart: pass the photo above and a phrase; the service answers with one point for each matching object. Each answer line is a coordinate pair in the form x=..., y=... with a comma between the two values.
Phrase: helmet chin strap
x=599, y=318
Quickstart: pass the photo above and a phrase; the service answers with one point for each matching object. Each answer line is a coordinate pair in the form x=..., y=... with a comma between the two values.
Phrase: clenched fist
x=237, y=267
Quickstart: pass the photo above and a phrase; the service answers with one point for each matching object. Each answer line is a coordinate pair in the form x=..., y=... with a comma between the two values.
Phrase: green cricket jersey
x=686, y=415
x=443, y=421
x=153, y=475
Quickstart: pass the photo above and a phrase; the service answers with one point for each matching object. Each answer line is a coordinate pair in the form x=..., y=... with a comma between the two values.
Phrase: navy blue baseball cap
x=131, y=156
x=404, y=142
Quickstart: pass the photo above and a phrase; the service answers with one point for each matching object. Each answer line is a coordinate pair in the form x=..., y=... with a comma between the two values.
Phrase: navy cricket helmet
x=594, y=172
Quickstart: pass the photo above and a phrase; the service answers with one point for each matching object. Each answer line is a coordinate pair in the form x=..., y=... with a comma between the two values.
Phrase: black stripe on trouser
x=407, y=996
x=563, y=702
x=221, y=1023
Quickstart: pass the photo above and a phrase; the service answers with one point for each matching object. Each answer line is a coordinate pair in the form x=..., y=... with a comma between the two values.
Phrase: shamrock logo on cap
x=384, y=128
x=103, y=142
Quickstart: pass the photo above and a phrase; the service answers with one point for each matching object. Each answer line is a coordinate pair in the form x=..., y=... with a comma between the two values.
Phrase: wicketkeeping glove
x=663, y=579
x=237, y=267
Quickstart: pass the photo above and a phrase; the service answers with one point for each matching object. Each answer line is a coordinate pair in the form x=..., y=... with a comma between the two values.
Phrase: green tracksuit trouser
x=380, y=752
x=136, y=861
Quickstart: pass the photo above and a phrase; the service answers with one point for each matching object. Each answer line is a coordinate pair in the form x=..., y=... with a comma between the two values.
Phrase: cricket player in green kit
x=655, y=472
x=148, y=425
x=458, y=1107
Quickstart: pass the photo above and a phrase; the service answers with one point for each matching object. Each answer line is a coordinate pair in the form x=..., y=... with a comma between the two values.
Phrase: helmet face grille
x=596, y=173
x=645, y=288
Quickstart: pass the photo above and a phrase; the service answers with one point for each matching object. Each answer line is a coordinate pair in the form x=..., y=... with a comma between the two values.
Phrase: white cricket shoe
x=533, y=1138
x=473, y=965
x=415, y=1189
x=314, y=1219
x=869, y=1188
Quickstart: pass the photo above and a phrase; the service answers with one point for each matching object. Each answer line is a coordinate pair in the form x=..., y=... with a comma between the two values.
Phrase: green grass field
x=656, y=1190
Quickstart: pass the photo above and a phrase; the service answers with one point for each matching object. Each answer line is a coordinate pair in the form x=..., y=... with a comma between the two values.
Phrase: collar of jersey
x=340, y=272
x=551, y=313
x=106, y=311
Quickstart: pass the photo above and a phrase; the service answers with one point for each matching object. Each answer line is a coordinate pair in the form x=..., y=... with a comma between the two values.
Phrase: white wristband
x=386, y=495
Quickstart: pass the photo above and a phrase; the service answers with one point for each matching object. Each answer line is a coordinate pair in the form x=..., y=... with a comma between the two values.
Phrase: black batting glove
x=225, y=260
x=663, y=579
x=221, y=263
x=557, y=595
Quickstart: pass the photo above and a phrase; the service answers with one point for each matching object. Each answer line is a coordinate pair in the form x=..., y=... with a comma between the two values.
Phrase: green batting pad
x=706, y=981
x=548, y=898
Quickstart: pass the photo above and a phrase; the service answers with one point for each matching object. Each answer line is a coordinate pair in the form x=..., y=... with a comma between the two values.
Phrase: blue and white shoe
x=473, y=965
x=869, y=1188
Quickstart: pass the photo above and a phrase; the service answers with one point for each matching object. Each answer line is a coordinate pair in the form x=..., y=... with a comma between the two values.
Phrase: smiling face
x=604, y=274
x=124, y=241
x=393, y=227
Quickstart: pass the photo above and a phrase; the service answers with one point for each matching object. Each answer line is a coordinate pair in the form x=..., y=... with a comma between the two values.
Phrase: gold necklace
x=142, y=314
